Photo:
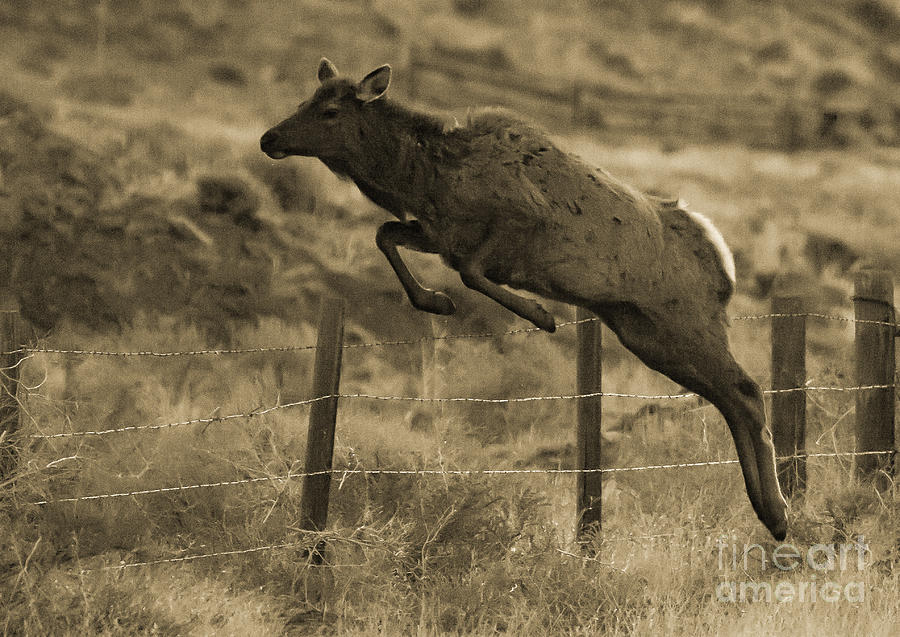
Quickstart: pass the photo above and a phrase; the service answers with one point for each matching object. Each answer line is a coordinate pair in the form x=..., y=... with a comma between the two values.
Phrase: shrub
x=888, y=58
x=228, y=196
x=227, y=74
x=470, y=7
x=152, y=149
x=293, y=188
x=832, y=81
x=878, y=16
x=774, y=51
x=41, y=58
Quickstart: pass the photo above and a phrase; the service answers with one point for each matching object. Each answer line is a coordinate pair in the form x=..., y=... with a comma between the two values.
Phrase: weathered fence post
x=429, y=371
x=412, y=78
x=873, y=300
x=102, y=10
x=12, y=337
x=788, y=128
x=322, y=417
x=577, y=92
x=435, y=359
x=789, y=408
x=589, y=381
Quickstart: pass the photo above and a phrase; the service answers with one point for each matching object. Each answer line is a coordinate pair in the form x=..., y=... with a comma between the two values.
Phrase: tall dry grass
x=463, y=554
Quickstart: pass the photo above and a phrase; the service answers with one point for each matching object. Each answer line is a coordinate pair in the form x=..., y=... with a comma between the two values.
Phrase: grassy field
x=139, y=214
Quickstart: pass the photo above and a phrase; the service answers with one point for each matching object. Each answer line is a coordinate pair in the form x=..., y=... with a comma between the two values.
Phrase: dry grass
x=426, y=554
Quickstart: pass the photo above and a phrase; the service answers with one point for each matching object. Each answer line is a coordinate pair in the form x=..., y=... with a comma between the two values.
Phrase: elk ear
x=374, y=85
x=327, y=70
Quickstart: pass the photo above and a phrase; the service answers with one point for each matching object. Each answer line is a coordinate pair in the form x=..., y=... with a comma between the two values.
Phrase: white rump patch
x=713, y=234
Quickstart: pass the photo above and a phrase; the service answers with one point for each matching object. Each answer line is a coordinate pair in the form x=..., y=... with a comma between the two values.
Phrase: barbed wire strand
x=441, y=472
x=289, y=545
x=181, y=423
x=312, y=539
x=190, y=558
x=463, y=399
x=829, y=317
x=290, y=348
x=415, y=341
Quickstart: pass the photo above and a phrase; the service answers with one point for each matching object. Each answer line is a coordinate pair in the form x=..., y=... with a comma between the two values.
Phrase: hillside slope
x=132, y=183
x=228, y=56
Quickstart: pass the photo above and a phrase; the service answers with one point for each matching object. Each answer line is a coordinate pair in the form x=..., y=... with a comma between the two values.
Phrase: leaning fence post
x=873, y=301
x=12, y=336
x=589, y=379
x=322, y=417
x=789, y=408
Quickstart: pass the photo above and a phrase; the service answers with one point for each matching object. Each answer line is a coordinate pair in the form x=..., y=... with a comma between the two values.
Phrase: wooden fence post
x=322, y=417
x=789, y=408
x=412, y=78
x=873, y=300
x=788, y=128
x=12, y=337
x=577, y=92
x=589, y=380
x=435, y=359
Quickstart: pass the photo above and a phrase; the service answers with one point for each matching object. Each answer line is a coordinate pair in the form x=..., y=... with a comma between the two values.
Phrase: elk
x=507, y=209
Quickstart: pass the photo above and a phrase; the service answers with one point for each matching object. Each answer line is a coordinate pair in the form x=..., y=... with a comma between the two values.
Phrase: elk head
x=328, y=124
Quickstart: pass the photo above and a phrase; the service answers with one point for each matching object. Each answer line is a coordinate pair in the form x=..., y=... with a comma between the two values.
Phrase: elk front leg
x=410, y=235
x=472, y=274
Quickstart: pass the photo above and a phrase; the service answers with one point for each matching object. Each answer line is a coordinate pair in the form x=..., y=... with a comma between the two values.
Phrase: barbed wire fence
x=24, y=350
x=872, y=415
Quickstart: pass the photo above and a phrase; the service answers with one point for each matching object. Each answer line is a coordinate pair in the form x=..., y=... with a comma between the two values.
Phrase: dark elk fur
x=503, y=206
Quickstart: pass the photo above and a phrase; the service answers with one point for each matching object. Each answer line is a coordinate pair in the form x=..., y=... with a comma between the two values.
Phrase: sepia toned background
x=137, y=214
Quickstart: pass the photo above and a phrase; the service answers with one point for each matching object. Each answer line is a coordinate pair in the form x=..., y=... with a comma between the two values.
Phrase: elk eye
x=330, y=113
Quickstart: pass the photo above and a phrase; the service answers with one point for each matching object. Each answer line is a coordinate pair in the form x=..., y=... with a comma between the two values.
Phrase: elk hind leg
x=694, y=353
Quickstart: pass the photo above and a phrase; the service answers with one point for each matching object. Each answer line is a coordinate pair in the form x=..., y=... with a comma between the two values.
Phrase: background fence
x=875, y=330
x=445, y=78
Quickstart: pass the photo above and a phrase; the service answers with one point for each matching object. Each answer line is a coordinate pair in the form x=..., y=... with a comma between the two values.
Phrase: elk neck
x=401, y=153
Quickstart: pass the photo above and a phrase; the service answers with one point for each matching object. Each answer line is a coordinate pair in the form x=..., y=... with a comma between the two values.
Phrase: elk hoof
x=543, y=319
x=779, y=532
x=437, y=303
x=776, y=520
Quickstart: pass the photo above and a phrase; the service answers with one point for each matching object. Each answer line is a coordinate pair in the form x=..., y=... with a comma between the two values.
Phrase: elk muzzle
x=269, y=144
